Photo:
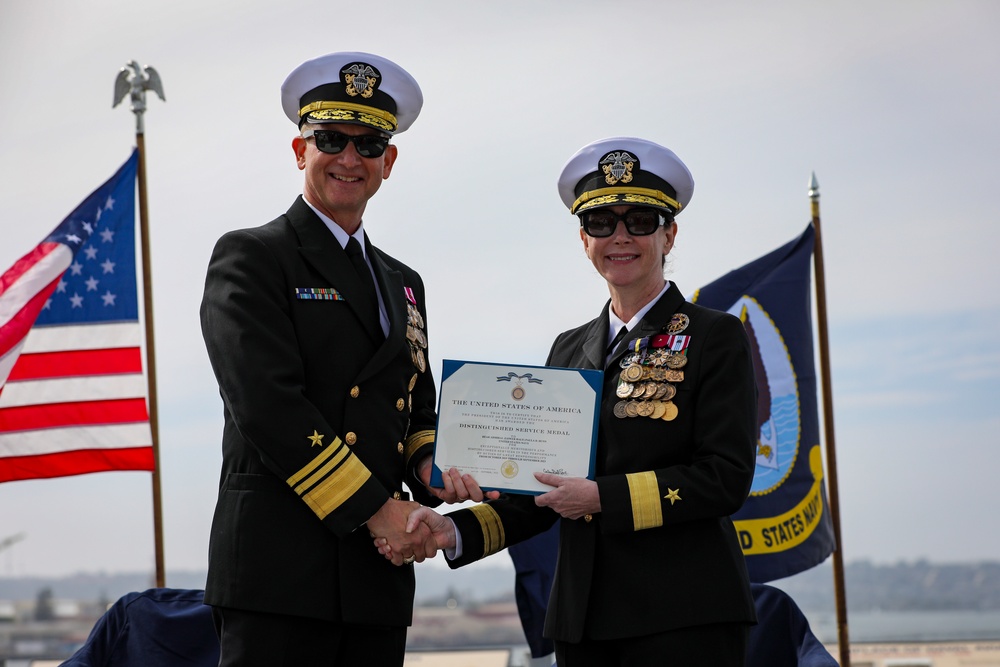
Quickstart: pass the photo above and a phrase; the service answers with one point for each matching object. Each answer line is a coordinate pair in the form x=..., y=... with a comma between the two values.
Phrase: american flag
x=72, y=390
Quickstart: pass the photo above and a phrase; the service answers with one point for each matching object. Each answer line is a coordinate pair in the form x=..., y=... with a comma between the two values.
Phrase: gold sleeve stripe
x=645, y=492
x=308, y=468
x=331, y=493
x=489, y=521
x=313, y=479
x=418, y=440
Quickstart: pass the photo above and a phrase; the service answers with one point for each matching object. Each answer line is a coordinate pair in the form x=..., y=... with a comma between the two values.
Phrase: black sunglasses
x=602, y=222
x=329, y=141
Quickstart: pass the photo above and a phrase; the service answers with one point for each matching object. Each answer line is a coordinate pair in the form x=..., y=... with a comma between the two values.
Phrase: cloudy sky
x=893, y=104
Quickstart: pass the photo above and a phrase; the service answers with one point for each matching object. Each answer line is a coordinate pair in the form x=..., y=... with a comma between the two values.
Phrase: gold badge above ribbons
x=678, y=323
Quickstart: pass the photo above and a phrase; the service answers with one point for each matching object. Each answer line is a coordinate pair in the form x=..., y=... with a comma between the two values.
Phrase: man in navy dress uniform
x=318, y=341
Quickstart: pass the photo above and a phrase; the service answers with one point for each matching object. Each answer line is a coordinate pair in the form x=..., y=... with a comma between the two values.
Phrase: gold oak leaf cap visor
x=355, y=88
x=625, y=170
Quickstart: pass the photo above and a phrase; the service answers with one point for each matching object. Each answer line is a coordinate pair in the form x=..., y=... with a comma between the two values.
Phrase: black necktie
x=619, y=337
x=365, y=275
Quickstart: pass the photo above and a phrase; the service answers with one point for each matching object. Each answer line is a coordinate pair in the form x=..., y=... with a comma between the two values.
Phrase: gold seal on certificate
x=501, y=423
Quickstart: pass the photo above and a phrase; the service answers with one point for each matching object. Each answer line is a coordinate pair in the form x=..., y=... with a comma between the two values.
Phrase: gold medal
x=670, y=392
x=619, y=410
x=414, y=316
x=671, y=411
x=649, y=389
x=645, y=409
x=658, y=358
x=671, y=375
x=633, y=373
x=676, y=361
x=659, y=407
x=631, y=409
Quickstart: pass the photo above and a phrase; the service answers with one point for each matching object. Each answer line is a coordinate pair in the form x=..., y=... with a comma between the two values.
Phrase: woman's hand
x=572, y=497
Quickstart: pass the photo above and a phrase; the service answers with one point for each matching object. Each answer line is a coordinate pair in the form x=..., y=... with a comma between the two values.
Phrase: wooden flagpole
x=840, y=597
x=136, y=86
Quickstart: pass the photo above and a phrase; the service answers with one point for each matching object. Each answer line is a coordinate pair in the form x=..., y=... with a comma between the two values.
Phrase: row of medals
x=646, y=382
x=416, y=337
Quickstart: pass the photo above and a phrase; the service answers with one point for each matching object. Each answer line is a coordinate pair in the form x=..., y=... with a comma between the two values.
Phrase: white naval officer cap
x=352, y=87
x=625, y=170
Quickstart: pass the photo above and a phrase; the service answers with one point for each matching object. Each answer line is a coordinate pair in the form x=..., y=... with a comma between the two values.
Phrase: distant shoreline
x=871, y=589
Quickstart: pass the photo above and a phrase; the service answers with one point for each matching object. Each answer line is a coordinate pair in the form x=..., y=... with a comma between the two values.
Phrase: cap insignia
x=361, y=79
x=617, y=166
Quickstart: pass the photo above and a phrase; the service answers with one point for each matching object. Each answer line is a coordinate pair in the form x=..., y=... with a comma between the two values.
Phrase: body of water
x=908, y=626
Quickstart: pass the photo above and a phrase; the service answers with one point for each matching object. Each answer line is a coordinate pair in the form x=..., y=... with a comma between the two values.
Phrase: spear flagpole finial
x=813, y=187
x=814, y=196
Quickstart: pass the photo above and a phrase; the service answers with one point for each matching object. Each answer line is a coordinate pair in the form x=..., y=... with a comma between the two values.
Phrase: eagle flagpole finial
x=144, y=79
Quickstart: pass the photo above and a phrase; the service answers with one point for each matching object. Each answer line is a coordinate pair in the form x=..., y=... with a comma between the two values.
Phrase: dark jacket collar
x=595, y=346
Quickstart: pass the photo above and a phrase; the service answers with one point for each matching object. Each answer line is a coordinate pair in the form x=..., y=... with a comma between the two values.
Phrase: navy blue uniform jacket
x=324, y=420
x=663, y=552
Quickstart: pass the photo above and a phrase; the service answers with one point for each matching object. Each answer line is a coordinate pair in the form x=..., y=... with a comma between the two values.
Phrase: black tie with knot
x=370, y=307
x=619, y=337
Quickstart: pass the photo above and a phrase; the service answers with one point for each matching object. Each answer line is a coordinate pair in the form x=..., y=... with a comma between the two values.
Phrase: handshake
x=405, y=531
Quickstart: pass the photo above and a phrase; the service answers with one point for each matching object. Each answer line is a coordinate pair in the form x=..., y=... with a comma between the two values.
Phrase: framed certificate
x=501, y=423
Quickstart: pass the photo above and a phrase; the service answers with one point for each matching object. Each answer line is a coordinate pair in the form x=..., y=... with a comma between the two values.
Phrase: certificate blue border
x=592, y=376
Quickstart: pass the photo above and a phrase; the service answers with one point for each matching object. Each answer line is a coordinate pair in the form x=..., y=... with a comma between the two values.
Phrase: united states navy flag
x=785, y=525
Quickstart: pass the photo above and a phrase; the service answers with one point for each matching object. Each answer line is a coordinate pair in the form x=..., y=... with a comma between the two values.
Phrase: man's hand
x=441, y=529
x=572, y=498
x=389, y=524
x=457, y=487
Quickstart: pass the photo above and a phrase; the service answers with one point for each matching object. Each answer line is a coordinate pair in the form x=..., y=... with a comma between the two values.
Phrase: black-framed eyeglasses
x=333, y=142
x=601, y=222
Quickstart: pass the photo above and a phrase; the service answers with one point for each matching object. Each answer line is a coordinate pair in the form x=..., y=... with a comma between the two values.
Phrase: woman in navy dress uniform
x=650, y=570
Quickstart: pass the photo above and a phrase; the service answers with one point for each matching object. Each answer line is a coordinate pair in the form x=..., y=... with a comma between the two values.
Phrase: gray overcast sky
x=894, y=104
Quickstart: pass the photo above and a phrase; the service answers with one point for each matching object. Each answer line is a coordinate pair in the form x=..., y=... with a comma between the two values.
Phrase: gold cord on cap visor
x=347, y=111
x=607, y=196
